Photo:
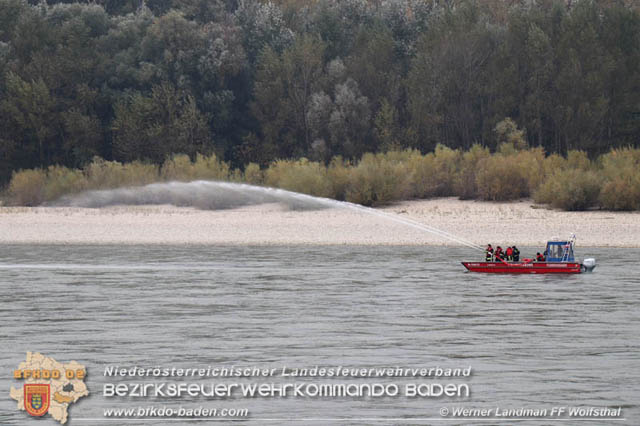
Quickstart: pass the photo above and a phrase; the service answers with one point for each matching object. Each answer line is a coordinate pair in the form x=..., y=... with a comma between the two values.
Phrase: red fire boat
x=559, y=260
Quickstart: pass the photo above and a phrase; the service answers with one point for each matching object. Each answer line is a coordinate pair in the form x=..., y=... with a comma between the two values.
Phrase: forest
x=263, y=83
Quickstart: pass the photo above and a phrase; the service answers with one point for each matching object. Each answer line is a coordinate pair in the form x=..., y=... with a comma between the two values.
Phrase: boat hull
x=524, y=267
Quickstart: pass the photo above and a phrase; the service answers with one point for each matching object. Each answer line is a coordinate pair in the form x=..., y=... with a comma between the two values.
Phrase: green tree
x=580, y=85
x=386, y=127
x=540, y=66
x=448, y=81
x=153, y=127
x=284, y=86
x=374, y=66
x=28, y=113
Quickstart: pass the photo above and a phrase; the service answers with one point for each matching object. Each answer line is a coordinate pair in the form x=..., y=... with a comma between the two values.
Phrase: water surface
x=532, y=341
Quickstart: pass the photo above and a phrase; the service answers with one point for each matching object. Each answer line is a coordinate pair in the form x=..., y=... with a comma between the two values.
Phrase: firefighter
x=488, y=253
x=539, y=257
x=509, y=253
x=499, y=254
x=516, y=254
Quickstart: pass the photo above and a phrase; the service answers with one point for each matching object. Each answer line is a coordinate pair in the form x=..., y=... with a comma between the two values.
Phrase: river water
x=531, y=341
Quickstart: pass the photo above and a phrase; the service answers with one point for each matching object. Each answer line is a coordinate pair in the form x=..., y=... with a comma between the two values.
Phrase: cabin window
x=555, y=251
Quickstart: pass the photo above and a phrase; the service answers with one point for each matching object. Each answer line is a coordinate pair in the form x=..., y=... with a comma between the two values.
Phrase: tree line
x=254, y=82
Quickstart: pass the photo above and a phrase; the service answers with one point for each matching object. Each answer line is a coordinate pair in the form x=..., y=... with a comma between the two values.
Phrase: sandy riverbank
x=480, y=222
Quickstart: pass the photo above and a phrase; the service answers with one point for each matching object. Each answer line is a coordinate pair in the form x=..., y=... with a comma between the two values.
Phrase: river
x=531, y=341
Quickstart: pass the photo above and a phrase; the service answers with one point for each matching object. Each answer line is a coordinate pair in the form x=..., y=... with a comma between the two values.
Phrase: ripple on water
x=532, y=341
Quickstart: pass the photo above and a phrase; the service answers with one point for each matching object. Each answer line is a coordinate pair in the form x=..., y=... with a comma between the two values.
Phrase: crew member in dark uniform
x=488, y=253
x=499, y=254
x=516, y=254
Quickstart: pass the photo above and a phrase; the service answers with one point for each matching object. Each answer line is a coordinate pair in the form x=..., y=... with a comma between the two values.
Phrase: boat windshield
x=559, y=251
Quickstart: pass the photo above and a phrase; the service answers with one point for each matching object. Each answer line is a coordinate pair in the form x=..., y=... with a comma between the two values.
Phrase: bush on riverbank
x=466, y=185
x=621, y=169
x=180, y=167
x=378, y=179
x=101, y=174
x=308, y=177
x=573, y=183
x=38, y=186
x=27, y=187
x=571, y=189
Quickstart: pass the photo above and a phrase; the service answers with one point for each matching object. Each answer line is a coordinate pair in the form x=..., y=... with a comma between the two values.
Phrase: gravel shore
x=520, y=223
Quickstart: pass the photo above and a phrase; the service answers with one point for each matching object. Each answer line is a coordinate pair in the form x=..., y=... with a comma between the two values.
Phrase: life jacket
x=540, y=258
x=509, y=251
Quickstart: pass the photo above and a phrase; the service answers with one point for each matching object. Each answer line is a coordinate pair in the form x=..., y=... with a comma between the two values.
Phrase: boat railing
x=568, y=248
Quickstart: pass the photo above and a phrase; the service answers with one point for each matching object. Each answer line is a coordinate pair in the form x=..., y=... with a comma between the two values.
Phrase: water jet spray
x=215, y=195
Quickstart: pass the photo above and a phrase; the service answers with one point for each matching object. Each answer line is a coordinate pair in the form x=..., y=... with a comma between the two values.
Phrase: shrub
x=622, y=193
x=620, y=162
x=466, y=184
x=253, y=174
x=531, y=167
x=103, y=174
x=339, y=174
x=178, y=167
x=499, y=178
x=446, y=162
x=434, y=174
x=210, y=168
x=137, y=173
x=553, y=163
x=363, y=181
x=236, y=175
x=308, y=177
x=578, y=160
x=620, y=169
x=27, y=187
x=423, y=175
x=62, y=180
x=378, y=179
x=572, y=183
x=509, y=138
x=571, y=189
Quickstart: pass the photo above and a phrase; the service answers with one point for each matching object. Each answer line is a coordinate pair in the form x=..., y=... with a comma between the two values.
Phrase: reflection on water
x=532, y=341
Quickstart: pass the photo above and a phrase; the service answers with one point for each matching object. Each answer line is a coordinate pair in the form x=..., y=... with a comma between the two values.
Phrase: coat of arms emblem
x=37, y=398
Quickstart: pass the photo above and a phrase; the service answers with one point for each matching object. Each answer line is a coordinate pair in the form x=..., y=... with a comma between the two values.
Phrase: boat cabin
x=559, y=251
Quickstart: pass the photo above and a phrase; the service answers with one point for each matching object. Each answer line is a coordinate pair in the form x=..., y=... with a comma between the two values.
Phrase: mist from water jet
x=214, y=195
